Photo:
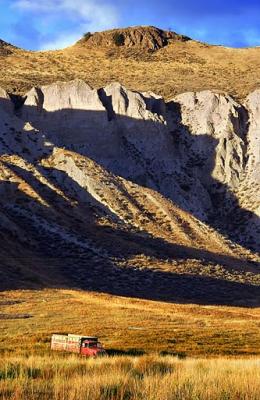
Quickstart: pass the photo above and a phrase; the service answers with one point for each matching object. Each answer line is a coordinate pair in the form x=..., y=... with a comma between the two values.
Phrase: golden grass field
x=124, y=378
x=125, y=324
x=156, y=350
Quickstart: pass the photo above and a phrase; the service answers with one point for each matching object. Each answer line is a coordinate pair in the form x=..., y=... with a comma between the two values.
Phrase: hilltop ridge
x=145, y=37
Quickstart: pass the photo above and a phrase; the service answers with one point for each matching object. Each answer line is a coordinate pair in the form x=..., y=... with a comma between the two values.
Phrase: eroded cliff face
x=253, y=137
x=216, y=128
x=188, y=149
x=186, y=172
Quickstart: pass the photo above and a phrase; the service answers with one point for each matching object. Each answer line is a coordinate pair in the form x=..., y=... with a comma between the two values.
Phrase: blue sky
x=50, y=24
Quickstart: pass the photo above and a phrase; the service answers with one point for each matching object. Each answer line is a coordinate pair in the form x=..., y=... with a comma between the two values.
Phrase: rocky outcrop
x=60, y=110
x=4, y=44
x=143, y=37
x=75, y=95
x=5, y=102
x=215, y=129
x=253, y=138
x=6, y=48
x=18, y=137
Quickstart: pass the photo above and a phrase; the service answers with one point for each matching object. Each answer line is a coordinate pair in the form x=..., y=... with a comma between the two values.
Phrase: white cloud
x=93, y=16
x=34, y=5
x=61, y=41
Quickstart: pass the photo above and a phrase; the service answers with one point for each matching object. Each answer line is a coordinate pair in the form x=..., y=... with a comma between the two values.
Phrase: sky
x=52, y=24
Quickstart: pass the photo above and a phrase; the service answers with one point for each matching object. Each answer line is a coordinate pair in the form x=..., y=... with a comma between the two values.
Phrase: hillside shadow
x=226, y=216
x=75, y=262
x=73, y=209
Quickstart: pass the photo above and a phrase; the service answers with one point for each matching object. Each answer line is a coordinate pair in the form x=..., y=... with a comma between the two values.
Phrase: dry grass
x=124, y=378
x=177, y=68
x=29, y=371
x=125, y=324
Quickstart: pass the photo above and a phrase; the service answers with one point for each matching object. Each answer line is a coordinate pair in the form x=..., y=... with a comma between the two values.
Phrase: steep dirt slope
x=145, y=58
x=112, y=190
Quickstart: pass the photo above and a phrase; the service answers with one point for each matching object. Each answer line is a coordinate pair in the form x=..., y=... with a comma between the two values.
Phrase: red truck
x=88, y=346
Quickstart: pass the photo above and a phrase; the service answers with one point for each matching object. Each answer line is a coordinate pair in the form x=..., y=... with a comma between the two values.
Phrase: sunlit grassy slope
x=149, y=345
x=178, y=67
x=28, y=318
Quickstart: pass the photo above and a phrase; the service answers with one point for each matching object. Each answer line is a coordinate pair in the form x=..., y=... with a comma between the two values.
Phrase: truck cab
x=91, y=348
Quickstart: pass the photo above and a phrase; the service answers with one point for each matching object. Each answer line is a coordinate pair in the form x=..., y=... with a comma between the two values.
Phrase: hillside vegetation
x=149, y=59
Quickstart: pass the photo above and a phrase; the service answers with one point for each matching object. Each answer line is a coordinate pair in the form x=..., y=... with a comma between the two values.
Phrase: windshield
x=93, y=344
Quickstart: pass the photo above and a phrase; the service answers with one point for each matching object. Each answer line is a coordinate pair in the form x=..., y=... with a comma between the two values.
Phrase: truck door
x=84, y=348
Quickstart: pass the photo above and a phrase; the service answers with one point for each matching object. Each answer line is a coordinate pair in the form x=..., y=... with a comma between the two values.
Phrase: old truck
x=88, y=346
